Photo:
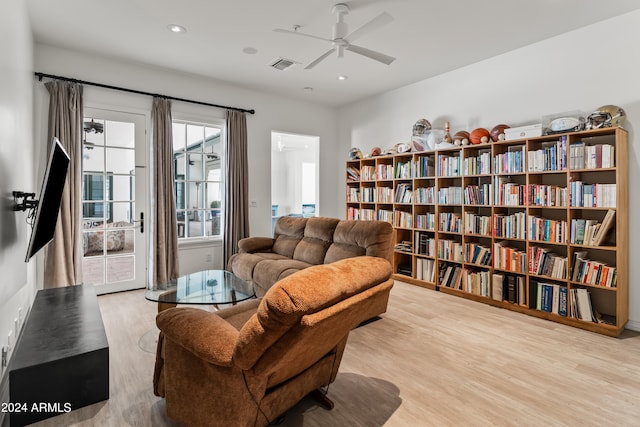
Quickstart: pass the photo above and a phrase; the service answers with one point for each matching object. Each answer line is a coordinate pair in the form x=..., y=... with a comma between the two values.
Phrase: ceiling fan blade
x=320, y=58
x=383, y=19
x=297, y=33
x=381, y=57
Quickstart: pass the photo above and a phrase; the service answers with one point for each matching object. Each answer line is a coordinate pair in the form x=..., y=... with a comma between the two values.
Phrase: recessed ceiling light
x=342, y=77
x=250, y=50
x=175, y=28
x=307, y=89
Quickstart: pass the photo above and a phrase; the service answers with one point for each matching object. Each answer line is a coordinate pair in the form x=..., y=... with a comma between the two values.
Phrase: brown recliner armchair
x=247, y=365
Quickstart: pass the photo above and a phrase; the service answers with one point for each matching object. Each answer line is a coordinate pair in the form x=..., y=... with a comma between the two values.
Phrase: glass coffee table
x=209, y=287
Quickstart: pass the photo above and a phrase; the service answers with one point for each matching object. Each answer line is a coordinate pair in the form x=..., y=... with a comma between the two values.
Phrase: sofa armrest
x=204, y=334
x=255, y=244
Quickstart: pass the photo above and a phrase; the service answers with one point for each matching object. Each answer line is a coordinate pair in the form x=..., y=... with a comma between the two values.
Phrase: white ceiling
x=427, y=37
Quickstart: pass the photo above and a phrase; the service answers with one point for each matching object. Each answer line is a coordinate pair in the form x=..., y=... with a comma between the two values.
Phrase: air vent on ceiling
x=282, y=64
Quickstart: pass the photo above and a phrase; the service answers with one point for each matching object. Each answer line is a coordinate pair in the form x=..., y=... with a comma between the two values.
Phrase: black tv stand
x=61, y=361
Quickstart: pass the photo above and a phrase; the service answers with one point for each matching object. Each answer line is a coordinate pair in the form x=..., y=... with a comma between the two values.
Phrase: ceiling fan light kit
x=342, y=39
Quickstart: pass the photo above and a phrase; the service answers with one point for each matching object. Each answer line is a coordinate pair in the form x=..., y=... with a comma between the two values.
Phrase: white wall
x=272, y=113
x=16, y=162
x=580, y=70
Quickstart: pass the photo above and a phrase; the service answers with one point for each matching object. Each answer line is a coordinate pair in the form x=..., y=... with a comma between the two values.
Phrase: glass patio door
x=113, y=200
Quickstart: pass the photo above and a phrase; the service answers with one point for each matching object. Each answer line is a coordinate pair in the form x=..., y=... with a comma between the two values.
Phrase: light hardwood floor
x=431, y=360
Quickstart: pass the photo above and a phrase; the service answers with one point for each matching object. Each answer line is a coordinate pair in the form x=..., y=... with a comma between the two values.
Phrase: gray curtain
x=236, y=204
x=165, y=231
x=63, y=256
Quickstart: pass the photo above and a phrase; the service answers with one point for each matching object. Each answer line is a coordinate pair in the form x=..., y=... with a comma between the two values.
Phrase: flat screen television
x=46, y=215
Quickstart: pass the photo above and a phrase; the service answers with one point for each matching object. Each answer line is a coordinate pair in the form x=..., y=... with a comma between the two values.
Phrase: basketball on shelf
x=479, y=136
x=497, y=132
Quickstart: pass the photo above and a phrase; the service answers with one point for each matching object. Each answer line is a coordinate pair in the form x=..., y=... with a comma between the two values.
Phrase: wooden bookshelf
x=470, y=217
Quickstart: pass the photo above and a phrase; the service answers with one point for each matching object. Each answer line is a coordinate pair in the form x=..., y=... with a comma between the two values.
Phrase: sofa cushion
x=243, y=264
x=356, y=238
x=267, y=272
x=317, y=238
x=287, y=234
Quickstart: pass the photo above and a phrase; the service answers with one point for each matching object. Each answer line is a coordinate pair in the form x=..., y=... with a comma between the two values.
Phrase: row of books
x=478, y=194
x=425, y=244
x=403, y=170
x=511, y=161
x=353, y=195
x=581, y=307
x=512, y=226
x=475, y=253
x=353, y=174
x=425, y=195
x=593, y=195
x=543, y=262
x=546, y=230
x=509, y=287
x=450, y=196
x=480, y=165
x=591, y=231
x=477, y=224
x=450, y=222
x=450, y=250
x=457, y=277
x=508, y=258
x=367, y=173
x=361, y=214
x=592, y=272
x=426, y=221
x=449, y=166
x=403, y=193
x=385, y=215
x=550, y=297
x=368, y=194
x=592, y=156
x=509, y=193
x=402, y=219
x=425, y=269
x=547, y=195
x=552, y=156
x=384, y=172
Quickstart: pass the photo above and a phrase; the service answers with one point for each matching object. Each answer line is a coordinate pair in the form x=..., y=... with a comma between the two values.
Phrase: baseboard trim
x=633, y=325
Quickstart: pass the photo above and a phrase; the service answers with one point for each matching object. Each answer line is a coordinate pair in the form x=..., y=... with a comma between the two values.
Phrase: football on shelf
x=497, y=132
x=479, y=136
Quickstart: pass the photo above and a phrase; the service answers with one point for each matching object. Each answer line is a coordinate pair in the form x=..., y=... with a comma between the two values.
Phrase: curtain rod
x=40, y=76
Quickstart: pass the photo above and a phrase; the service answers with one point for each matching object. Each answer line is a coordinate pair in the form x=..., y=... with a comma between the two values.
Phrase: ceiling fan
x=343, y=41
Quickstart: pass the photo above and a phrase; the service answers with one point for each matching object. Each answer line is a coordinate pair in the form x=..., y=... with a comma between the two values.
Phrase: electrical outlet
x=253, y=204
x=4, y=357
x=209, y=258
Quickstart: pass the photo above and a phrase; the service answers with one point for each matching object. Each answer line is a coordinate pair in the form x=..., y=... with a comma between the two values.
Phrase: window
x=197, y=156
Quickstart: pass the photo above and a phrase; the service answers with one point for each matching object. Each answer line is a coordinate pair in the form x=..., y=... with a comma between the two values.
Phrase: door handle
x=141, y=221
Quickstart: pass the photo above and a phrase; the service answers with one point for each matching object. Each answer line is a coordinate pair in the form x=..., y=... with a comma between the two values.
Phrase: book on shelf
x=581, y=305
x=551, y=297
x=425, y=269
x=606, y=226
x=497, y=286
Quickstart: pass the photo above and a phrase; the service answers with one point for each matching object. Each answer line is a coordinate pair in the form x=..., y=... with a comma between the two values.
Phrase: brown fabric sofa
x=299, y=243
x=248, y=364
